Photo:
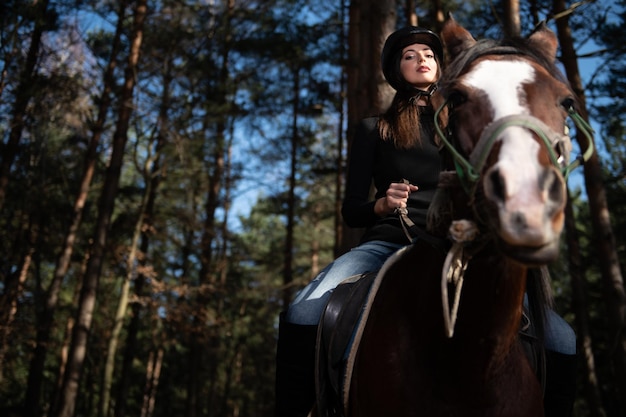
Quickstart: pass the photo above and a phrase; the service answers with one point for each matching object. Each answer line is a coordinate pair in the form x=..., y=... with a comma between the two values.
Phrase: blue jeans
x=309, y=304
x=559, y=335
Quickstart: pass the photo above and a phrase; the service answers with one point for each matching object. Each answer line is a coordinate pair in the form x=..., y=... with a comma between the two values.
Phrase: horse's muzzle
x=528, y=210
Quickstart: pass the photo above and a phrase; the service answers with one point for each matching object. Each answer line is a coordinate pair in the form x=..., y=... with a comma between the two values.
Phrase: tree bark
x=46, y=317
x=23, y=95
x=203, y=339
x=153, y=179
x=371, y=21
x=580, y=307
x=153, y=373
x=340, y=161
x=120, y=315
x=409, y=12
x=291, y=193
x=604, y=239
x=512, y=26
x=13, y=288
x=89, y=289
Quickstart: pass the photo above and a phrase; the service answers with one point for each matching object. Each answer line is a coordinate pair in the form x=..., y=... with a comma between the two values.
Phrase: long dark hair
x=401, y=122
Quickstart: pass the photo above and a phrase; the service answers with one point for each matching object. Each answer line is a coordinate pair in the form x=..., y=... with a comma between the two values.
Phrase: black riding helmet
x=392, y=51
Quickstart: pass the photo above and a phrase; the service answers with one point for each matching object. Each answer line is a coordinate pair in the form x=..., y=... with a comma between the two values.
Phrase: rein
x=454, y=266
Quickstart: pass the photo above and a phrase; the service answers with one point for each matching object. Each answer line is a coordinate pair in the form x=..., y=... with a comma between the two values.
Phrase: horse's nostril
x=554, y=186
x=518, y=222
x=497, y=185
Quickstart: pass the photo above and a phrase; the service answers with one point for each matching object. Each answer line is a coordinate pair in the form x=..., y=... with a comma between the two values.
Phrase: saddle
x=339, y=334
x=335, y=334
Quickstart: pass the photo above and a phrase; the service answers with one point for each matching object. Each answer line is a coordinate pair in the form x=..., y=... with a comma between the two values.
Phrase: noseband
x=469, y=171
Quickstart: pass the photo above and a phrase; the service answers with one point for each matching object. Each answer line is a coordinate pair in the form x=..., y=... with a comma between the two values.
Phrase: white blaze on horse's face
x=502, y=82
x=528, y=192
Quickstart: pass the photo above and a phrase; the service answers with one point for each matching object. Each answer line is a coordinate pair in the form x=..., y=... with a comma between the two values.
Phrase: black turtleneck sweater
x=373, y=159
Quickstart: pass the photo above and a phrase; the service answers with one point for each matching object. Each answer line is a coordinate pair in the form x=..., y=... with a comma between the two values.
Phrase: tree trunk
x=153, y=373
x=437, y=15
x=67, y=340
x=579, y=301
x=46, y=318
x=340, y=162
x=23, y=94
x=89, y=290
x=604, y=239
x=291, y=199
x=14, y=287
x=315, y=240
x=22, y=97
x=409, y=12
x=512, y=26
x=371, y=21
x=120, y=315
x=153, y=180
x=201, y=337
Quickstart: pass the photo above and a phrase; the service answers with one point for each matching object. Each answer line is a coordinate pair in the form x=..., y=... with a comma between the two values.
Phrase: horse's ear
x=544, y=40
x=455, y=37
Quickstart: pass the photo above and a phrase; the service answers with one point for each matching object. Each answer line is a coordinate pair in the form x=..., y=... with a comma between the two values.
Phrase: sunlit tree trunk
x=371, y=21
x=315, y=241
x=10, y=302
x=67, y=340
x=410, y=15
x=153, y=373
x=512, y=26
x=69, y=391
x=203, y=339
x=46, y=317
x=604, y=240
x=131, y=275
x=153, y=178
x=438, y=14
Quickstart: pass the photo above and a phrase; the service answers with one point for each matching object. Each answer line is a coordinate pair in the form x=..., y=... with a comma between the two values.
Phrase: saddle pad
x=339, y=334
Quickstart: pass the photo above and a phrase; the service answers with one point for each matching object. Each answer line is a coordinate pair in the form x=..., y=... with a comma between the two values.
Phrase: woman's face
x=418, y=65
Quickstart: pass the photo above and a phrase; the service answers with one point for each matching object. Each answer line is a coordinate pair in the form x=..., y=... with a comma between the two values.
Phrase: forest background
x=172, y=173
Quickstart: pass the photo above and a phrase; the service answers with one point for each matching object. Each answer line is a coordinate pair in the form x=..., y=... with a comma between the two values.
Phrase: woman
x=399, y=152
x=399, y=145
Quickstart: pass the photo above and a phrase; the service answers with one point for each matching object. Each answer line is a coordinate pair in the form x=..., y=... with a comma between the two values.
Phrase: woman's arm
x=358, y=209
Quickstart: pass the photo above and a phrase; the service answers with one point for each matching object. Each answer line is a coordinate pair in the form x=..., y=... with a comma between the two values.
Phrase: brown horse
x=426, y=347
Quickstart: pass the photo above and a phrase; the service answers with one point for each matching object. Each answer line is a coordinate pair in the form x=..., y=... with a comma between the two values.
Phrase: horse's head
x=507, y=132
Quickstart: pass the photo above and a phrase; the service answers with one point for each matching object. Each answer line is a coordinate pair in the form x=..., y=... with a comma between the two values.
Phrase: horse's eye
x=568, y=103
x=456, y=98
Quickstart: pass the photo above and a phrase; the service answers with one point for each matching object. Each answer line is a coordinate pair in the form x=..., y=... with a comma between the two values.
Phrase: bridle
x=469, y=171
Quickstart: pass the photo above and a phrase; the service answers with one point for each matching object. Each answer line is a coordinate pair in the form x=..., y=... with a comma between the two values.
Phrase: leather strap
x=411, y=230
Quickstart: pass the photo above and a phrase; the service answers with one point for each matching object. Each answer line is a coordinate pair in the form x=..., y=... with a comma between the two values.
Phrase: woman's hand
x=396, y=197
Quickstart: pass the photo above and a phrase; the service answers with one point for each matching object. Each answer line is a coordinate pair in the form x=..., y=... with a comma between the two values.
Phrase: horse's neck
x=492, y=304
